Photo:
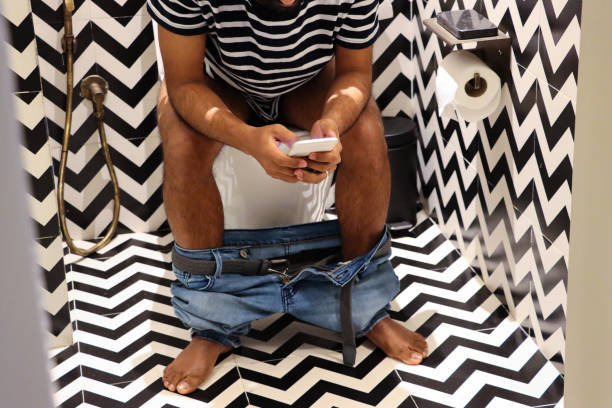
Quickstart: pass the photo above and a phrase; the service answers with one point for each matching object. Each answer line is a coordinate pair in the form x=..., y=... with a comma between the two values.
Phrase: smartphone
x=304, y=147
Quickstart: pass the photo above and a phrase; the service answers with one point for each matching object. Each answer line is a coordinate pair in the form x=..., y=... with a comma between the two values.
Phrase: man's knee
x=365, y=139
x=183, y=147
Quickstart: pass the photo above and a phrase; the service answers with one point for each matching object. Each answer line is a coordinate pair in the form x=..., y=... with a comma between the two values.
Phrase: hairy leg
x=195, y=214
x=191, y=197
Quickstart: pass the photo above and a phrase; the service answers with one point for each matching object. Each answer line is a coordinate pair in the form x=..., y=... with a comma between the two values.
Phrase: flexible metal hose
x=94, y=91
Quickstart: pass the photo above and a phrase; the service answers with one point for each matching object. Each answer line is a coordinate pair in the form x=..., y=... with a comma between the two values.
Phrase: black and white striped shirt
x=265, y=55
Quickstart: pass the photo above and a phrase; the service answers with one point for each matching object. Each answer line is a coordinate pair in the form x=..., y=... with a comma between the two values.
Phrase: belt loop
x=219, y=263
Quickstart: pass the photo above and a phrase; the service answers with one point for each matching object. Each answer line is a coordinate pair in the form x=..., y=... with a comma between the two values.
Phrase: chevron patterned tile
x=54, y=293
x=53, y=71
x=519, y=160
x=554, y=151
x=393, y=70
x=125, y=57
x=506, y=186
x=548, y=265
x=21, y=46
x=36, y=158
x=126, y=333
x=88, y=193
x=117, y=8
x=521, y=20
x=122, y=51
x=559, y=46
x=52, y=11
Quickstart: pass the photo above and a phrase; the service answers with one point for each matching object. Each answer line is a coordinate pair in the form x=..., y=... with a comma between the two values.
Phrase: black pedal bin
x=401, y=136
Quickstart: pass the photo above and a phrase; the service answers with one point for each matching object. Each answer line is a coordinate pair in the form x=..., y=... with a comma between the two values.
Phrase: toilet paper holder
x=494, y=51
x=477, y=86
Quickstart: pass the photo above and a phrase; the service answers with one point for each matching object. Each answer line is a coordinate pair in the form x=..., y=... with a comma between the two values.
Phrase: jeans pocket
x=193, y=281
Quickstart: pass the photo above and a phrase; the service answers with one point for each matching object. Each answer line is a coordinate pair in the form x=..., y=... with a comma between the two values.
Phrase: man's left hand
x=323, y=162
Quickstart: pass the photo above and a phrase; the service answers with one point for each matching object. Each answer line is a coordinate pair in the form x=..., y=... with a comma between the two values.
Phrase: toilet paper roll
x=457, y=96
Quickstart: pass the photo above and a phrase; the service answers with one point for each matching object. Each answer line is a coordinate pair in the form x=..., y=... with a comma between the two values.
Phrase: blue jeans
x=221, y=307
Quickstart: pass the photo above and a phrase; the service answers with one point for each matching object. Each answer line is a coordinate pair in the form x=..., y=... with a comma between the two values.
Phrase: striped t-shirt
x=266, y=55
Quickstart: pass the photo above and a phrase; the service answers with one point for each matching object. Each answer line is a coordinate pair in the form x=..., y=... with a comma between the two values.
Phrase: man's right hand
x=262, y=144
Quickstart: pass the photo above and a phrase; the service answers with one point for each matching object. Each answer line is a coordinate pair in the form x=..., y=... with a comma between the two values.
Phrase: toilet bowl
x=252, y=199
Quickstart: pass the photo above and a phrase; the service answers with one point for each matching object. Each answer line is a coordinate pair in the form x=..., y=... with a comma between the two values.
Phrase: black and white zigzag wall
x=29, y=108
x=501, y=187
x=114, y=40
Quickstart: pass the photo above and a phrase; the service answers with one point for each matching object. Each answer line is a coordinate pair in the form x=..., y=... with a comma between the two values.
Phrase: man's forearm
x=346, y=99
x=204, y=111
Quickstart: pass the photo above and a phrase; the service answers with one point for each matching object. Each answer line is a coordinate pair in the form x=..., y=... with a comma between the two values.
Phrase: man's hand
x=262, y=144
x=324, y=162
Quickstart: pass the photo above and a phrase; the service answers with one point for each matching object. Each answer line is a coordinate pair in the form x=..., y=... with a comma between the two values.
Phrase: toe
x=425, y=350
x=412, y=358
x=170, y=380
x=165, y=377
x=188, y=385
x=420, y=345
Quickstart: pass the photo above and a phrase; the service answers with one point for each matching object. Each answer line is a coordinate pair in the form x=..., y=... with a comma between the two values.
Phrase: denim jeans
x=221, y=307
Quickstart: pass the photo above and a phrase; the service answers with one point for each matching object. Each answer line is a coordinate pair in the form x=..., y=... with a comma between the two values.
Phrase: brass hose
x=93, y=88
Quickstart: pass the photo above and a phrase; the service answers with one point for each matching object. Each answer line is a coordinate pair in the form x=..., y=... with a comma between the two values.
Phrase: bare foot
x=398, y=342
x=193, y=366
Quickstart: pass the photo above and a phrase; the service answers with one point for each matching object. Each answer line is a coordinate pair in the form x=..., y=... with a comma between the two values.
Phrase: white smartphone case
x=307, y=146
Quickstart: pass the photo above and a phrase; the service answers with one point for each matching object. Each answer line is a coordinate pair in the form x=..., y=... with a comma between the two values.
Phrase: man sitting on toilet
x=234, y=71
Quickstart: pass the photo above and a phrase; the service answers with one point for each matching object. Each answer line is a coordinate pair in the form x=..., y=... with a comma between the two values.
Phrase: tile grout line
x=401, y=381
x=242, y=381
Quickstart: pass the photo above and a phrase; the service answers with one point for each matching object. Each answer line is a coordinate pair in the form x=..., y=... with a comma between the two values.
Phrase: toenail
x=183, y=386
x=416, y=356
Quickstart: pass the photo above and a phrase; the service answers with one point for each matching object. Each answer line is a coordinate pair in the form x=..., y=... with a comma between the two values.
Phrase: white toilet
x=252, y=199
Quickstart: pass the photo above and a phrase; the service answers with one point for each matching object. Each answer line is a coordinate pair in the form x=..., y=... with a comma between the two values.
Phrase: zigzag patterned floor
x=125, y=334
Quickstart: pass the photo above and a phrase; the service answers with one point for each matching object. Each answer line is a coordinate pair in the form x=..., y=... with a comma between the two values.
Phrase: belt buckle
x=280, y=267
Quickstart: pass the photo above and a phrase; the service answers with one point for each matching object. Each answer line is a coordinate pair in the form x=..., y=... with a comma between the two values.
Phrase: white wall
x=589, y=319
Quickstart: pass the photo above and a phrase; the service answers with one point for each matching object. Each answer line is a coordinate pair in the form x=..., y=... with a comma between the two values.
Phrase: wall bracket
x=494, y=51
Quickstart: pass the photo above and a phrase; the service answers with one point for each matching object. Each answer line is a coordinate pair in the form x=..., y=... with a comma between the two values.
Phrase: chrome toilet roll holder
x=493, y=50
